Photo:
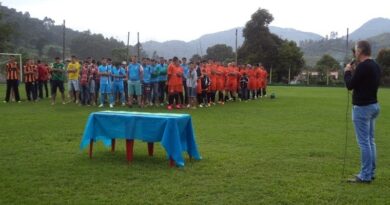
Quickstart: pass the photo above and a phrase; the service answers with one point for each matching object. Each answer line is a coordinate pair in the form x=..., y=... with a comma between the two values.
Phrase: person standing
x=73, y=70
x=118, y=74
x=155, y=72
x=192, y=78
x=57, y=78
x=43, y=76
x=12, y=72
x=104, y=72
x=147, y=85
x=175, y=83
x=85, y=82
x=162, y=79
x=135, y=75
x=184, y=95
x=29, y=80
x=364, y=82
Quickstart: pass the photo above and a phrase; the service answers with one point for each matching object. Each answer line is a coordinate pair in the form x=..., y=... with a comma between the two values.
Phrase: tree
x=5, y=34
x=259, y=45
x=383, y=60
x=119, y=55
x=53, y=52
x=219, y=52
x=326, y=64
x=290, y=57
x=196, y=58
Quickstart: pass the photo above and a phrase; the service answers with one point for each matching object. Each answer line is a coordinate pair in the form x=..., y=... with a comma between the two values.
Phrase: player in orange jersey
x=213, y=78
x=221, y=78
x=231, y=82
x=175, y=83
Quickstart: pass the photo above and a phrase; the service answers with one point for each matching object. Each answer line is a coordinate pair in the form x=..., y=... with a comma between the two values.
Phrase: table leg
x=90, y=148
x=150, y=148
x=112, y=145
x=171, y=162
x=129, y=149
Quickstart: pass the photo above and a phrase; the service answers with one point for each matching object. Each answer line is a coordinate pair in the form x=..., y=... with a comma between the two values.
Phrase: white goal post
x=20, y=63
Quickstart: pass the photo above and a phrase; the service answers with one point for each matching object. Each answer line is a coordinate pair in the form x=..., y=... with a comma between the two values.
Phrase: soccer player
x=93, y=82
x=205, y=85
x=12, y=71
x=73, y=70
x=192, y=78
x=135, y=75
x=85, y=82
x=231, y=82
x=175, y=83
x=162, y=86
x=263, y=81
x=43, y=76
x=184, y=95
x=147, y=86
x=29, y=79
x=57, y=77
x=118, y=73
x=252, y=85
x=221, y=77
x=244, y=86
x=154, y=81
x=104, y=72
x=212, y=70
x=125, y=79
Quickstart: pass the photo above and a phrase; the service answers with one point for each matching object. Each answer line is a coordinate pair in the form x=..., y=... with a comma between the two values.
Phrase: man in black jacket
x=364, y=81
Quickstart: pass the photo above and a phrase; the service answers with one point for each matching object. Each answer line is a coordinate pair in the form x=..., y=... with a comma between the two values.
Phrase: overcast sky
x=163, y=20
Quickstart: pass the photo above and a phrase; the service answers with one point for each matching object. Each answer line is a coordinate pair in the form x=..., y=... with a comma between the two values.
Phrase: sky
x=163, y=20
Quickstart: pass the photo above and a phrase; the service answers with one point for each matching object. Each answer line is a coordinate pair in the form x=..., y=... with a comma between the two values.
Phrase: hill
x=200, y=45
x=371, y=28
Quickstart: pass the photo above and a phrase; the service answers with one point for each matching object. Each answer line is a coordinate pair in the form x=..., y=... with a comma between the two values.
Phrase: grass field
x=283, y=151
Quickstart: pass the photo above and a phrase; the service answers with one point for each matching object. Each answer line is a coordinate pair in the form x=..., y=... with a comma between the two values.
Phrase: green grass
x=283, y=151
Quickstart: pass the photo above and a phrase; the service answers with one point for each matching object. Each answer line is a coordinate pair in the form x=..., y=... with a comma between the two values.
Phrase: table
x=174, y=131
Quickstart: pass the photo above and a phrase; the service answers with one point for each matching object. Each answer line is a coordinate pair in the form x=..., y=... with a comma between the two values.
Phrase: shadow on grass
x=140, y=160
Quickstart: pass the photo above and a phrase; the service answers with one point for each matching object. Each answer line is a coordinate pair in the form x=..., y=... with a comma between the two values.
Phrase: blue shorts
x=191, y=92
x=105, y=88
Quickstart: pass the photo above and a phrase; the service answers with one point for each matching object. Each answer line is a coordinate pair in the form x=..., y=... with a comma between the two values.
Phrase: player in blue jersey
x=118, y=73
x=104, y=71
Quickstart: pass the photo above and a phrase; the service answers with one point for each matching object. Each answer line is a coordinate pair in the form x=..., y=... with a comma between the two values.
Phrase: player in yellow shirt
x=73, y=71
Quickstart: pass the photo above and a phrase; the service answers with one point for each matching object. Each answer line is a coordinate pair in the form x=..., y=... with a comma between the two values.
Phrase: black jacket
x=364, y=82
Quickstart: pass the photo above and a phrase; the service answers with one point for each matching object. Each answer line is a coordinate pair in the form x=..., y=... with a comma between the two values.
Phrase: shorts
x=191, y=92
x=134, y=87
x=92, y=86
x=175, y=89
x=105, y=88
x=231, y=85
x=220, y=84
x=73, y=85
x=147, y=88
x=57, y=84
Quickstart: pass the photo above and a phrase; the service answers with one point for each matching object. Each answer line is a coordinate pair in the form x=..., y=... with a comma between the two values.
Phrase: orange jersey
x=175, y=73
x=232, y=73
x=29, y=71
x=213, y=77
x=221, y=77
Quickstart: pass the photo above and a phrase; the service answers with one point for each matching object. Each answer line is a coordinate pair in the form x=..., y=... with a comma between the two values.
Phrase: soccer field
x=283, y=151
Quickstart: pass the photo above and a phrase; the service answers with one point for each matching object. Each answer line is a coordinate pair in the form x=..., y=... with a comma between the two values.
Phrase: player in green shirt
x=57, y=76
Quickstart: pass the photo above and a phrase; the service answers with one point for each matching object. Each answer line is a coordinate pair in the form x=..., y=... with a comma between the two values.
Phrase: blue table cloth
x=174, y=131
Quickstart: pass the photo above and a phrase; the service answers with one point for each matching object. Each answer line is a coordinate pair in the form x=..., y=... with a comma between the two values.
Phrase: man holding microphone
x=364, y=81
